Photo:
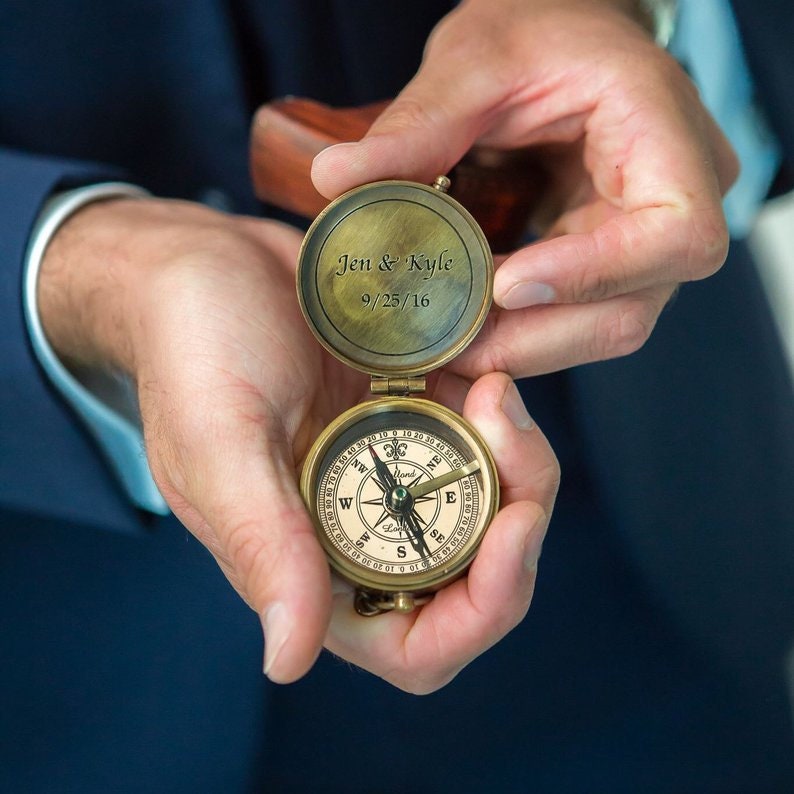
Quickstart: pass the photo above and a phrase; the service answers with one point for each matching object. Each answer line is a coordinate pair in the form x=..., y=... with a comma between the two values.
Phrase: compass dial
x=401, y=491
x=396, y=278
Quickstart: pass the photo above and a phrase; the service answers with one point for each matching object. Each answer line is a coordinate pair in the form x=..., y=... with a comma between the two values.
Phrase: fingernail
x=533, y=544
x=528, y=293
x=514, y=409
x=277, y=626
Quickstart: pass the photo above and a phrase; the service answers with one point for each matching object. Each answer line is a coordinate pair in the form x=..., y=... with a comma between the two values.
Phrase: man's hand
x=637, y=169
x=425, y=649
x=200, y=308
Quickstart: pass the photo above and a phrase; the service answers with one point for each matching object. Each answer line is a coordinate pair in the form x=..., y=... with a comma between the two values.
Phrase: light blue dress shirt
x=708, y=44
x=109, y=411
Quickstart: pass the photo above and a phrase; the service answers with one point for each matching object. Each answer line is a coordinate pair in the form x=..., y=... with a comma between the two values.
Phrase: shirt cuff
x=105, y=404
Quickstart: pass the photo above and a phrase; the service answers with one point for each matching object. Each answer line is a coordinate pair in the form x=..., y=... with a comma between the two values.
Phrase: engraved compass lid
x=395, y=278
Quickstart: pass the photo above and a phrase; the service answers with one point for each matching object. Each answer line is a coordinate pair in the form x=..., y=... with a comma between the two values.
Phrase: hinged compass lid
x=395, y=278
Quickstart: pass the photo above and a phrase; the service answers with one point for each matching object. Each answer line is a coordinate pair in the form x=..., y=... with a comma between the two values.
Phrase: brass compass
x=395, y=279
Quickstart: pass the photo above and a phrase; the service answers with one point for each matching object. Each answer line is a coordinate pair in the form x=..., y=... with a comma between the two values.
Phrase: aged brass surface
x=397, y=386
x=357, y=525
x=395, y=278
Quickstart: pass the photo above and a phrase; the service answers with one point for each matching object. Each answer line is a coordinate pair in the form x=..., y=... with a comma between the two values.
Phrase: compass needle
x=417, y=536
x=445, y=479
x=384, y=475
x=394, y=309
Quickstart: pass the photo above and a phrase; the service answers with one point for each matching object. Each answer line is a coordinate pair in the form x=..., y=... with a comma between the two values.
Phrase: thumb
x=422, y=134
x=247, y=510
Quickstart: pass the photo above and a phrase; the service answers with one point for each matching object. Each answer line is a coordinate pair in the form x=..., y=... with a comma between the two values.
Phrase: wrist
x=105, y=404
x=81, y=283
x=98, y=274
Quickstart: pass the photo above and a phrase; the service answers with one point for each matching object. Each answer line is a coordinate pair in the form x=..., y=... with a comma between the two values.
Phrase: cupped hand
x=201, y=309
x=423, y=650
x=637, y=168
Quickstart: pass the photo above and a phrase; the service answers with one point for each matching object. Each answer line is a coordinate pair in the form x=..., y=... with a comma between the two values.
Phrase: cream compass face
x=402, y=491
x=395, y=279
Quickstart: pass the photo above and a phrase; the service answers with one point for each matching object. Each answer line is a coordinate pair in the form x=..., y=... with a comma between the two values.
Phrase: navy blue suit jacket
x=652, y=658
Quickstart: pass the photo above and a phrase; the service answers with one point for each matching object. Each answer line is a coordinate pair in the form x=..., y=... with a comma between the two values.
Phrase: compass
x=394, y=279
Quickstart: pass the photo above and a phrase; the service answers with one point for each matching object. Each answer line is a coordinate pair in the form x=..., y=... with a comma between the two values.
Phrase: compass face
x=402, y=492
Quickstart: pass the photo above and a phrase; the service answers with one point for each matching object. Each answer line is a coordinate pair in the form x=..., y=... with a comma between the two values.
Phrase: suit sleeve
x=49, y=466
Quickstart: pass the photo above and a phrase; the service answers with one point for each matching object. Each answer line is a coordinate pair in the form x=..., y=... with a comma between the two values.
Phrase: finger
x=412, y=139
x=423, y=133
x=625, y=254
x=659, y=166
x=239, y=496
x=451, y=390
x=526, y=464
x=544, y=339
x=423, y=651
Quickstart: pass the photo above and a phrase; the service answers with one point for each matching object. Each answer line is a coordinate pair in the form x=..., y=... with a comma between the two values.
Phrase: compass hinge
x=397, y=385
